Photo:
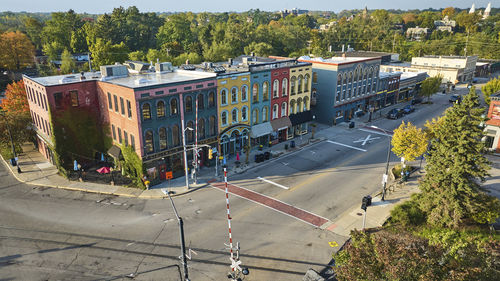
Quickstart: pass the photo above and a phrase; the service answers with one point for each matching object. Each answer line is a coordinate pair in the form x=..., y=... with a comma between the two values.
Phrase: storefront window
x=148, y=140
x=162, y=133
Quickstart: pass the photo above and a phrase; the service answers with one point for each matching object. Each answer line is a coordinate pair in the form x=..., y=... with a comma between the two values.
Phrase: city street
x=279, y=213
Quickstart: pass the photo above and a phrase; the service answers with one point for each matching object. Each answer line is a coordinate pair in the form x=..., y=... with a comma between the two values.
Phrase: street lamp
x=385, y=176
x=181, y=232
x=11, y=140
x=185, y=153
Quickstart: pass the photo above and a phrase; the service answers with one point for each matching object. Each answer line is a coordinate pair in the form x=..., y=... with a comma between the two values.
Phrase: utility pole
x=466, y=44
x=185, y=153
x=195, y=156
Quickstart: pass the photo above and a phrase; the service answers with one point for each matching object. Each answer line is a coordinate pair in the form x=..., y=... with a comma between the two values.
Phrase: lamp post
x=181, y=232
x=185, y=152
x=385, y=176
x=11, y=141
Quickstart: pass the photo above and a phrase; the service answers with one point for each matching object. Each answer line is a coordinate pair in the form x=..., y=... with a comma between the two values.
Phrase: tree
x=60, y=28
x=468, y=21
x=68, y=64
x=137, y=56
x=490, y=88
x=16, y=101
x=34, y=31
x=261, y=49
x=430, y=86
x=409, y=141
x=53, y=50
x=450, y=12
x=104, y=53
x=16, y=50
x=451, y=194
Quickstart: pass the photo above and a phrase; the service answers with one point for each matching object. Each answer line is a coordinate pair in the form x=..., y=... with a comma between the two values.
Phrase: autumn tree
x=16, y=101
x=409, y=141
x=490, y=88
x=16, y=50
x=450, y=12
x=430, y=86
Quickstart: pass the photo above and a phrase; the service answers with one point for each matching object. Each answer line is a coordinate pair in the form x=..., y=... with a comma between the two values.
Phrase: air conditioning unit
x=164, y=67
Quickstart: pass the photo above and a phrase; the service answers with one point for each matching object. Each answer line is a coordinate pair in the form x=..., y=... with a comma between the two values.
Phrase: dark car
x=408, y=109
x=416, y=100
x=394, y=113
x=456, y=98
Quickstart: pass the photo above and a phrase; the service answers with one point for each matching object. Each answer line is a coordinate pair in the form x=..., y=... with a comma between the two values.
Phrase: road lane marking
x=271, y=182
x=353, y=147
x=365, y=140
x=375, y=131
x=274, y=204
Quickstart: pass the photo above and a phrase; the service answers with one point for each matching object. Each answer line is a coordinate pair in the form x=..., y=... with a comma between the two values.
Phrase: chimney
x=187, y=61
x=252, y=54
x=343, y=48
x=230, y=61
x=82, y=77
x=343, y=56
x=348, y=47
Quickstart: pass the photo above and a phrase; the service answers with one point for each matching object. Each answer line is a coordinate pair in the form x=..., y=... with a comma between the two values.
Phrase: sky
x=106, y=6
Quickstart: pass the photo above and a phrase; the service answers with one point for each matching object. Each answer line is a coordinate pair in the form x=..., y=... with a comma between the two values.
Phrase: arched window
x=306, y=103
x=211, y=99
x=173, y=107
x=292, y=107
x=234, y=115
x=275, y=111
x=344, y=78
x=148, y=141
x=255, y=92
x=189, y=104
x=201, y=104
x=201, y=128
x=265, y=91
x=175, y=135
x=284, y=87
x=265, y=114
x=283, y=109
x=160, y=109
x=275, y=88
x=162, y=133
x=244, y=93
x=234, y=95
x=356, y=74
x=146, y=111
x=244, y=116
x=223, y=118
x=212, y=126
x=339, y=79
x=190, y=133
x=306, y=83
x=292, y=85
x=299, y=105
x=223, y=96
x=299, y=84
x=255, y=116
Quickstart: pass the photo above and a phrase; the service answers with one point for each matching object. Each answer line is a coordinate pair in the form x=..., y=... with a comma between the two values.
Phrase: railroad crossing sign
x=235, y=265
x=365, y=140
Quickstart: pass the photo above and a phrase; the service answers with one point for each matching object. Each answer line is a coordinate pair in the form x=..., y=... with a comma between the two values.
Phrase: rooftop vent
x=164, y=67
x=188, y=67
x=141, y=81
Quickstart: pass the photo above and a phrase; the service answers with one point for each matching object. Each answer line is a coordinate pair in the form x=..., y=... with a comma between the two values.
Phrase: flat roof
x=383, y=74
x=337, y=60
x=65, y=79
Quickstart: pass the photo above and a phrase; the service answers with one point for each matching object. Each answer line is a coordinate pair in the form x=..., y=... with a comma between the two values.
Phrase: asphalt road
x=51, y=234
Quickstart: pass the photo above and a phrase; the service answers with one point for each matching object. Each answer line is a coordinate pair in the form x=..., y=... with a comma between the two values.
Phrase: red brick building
x=279, y=104
x=493, y=125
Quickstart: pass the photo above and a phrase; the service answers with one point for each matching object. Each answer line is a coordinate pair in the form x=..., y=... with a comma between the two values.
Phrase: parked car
x=408, y=109
x=456, y=98
x=359, y=113
x=395, y=113
x=416, y=100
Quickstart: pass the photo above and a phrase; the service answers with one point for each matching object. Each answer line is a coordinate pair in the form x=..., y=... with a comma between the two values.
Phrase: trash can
x=13, y=162
x=351, y=125
x=267, y=155
x=257, y=158
x=292, y=144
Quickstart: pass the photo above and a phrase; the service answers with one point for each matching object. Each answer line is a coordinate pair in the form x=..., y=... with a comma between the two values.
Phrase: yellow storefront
x=300, y=95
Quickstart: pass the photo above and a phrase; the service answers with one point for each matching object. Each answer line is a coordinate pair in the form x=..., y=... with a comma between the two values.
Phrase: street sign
x=169, y=175
x=235, y=265
x=384, y=178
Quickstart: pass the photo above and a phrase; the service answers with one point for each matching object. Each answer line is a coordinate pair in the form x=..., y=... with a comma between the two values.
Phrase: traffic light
x=367, y=201
x=210, y=156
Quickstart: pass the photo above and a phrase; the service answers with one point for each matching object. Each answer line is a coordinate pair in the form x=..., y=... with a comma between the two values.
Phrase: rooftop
x=337, y=60
x=384, y=74
x=65, y=79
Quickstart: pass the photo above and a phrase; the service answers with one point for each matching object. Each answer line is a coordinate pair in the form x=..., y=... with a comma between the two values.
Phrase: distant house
x=295, y=11
x=445, y=24
x=417, y=33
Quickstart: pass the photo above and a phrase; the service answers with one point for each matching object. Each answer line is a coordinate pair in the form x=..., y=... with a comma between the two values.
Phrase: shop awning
x=301, y=118
x=115, y=152
x=281, y=123
x=260, y=130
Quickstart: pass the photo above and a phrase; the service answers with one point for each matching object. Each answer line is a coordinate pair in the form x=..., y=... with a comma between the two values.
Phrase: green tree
x=154, y=55
x=409, y=141
x=60, y=28
x=104, y=53
x=451, y=193
x=177, y=28
x=137, y=56
x=34, y=31
x=261, y=49
x=490, y=88
x=468, y=21
x=450, y=12
x=68, y=64
x=430, y=86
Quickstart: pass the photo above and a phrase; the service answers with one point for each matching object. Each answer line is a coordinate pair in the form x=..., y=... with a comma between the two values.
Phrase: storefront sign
x=169, y=175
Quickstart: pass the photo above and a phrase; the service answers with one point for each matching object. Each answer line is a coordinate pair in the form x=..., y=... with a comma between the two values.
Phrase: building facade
x=492, y=129
x=454, y=69
x=388, y=89
x=300, y=98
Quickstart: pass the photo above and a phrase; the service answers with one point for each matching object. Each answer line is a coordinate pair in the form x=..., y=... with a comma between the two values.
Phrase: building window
x=189, y=104
x=265, y=91
x=148, y=141
x=223, y=96
x=299, y=105
x=58, y=100
x=211, y=99
x=244, y=114
x=113, y=131
x=306, y=83
x=122, y=106
x=162, y=134
x=292, y=85
x=125, y=137
x=337, y=97
x=212, y=125
x=275, y=111
x=306, y=103
x=132, y=141
x=255, y=116
x=275, y=88
x=234, y=116
x=264, y=114
x=223, y=118
x=234, y=95
x=115, y=98
x=119, y=135
x=129, y=109
x=299, y=84
x=110, y=102
x=255, y=92
x=201, y=128
x=283, y=109
x=284, y=87
x=201, y=104
x=175, y=135
x=146, y=111
x=190, y=133
x=173, y=106
x=292, y=107
x=74, y=98
x=244, y=93
x=315, y=77
x=160, y=110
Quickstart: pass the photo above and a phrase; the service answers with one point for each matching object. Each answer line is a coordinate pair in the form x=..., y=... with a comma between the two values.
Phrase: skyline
x=196, y=6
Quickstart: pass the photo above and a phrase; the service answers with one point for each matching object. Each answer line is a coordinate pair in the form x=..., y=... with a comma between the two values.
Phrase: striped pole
x=228, y=217
x=196, y=145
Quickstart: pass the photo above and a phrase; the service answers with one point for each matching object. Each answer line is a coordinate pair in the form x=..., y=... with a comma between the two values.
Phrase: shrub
x=408, y=213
